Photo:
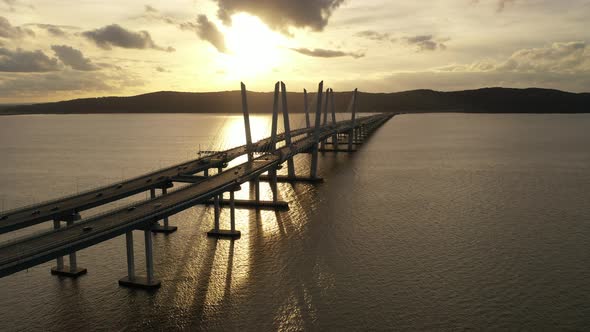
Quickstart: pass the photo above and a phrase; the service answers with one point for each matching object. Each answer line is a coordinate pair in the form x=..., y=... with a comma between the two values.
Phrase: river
x=439, y=221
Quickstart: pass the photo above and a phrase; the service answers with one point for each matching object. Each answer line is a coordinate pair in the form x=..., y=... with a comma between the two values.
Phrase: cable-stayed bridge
x=208, y=179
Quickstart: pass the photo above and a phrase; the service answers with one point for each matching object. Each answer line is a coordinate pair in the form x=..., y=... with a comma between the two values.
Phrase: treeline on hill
x=488, y=100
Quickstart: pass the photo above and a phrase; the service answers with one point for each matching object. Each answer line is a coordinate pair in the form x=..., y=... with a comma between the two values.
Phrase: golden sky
x=62, y=49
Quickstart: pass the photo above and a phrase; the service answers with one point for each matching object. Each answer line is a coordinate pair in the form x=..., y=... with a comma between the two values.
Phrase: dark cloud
x=208, y=31
x=323, y=53
x=374, y=35
x=9, y=31
x=73, y=58
x=115, y=35
x=150, y=9
x=282, y=14
x=56, y=31
x=26, y=61
x=425, y=43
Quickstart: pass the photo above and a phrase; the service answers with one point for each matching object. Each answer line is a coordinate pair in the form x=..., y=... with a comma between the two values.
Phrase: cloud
x=150, y=9
x=203, y=27
x=73, y=58
x=56, y=30
x=453, y=81
x=323, y=53
x=115, y=35
x=208, y=31
x=13, y=32
x=425, y=43
x=281, y=15
x=564, y=57
x=560, y=65
x=151, y=13
x=374, y=35
x=26, y=61
x=559, y=57
x=66, y=83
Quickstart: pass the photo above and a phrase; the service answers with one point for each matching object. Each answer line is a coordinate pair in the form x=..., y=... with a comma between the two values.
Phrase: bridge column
x=232, y=233
x=130, y=255
x=323, y=143
x=257, y=190
x=333, y=109
x=206, y=172
x=232, y=212
x=217, y=213
x=72, y=271
x=272, y=174
x=307, y=124
x=59, y=260
x=351, y=133
x=149, y=256
x=287, y=126
x=246, y=122
x=131, y=280
x=316, y=134
x=291, y=177
x=166, y=229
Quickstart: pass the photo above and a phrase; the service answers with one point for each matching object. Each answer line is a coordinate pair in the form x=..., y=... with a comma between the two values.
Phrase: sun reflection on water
x=233, y=133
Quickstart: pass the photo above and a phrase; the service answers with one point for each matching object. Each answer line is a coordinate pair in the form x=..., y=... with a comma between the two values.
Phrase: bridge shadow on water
x=277, y=265
x=281, y=277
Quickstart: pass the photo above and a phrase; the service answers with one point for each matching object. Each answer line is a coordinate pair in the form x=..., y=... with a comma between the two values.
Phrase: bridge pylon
x=165, y=227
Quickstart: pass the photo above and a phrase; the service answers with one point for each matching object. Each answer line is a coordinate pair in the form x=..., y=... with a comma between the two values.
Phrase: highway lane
x=38, y=249
x=63, y=208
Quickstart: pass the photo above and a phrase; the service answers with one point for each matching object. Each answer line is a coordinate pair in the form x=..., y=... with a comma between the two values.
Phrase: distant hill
x=488, y=100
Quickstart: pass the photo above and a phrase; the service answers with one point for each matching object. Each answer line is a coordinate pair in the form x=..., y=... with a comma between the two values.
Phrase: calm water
x=439, y=222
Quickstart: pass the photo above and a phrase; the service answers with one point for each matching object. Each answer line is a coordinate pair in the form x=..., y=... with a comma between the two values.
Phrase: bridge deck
x=61, y=208
x=37, y=249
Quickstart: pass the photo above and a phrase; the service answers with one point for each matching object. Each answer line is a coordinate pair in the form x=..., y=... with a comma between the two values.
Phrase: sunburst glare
x=253, y=48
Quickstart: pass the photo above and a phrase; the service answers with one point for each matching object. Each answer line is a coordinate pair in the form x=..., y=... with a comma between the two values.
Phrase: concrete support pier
x=132, y=280
x=231, y=233
x=252, y=204
x=166, y=229
x=72, y=270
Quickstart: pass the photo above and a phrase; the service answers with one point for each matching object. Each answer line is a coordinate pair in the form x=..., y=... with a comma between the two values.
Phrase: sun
x=253, y=49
